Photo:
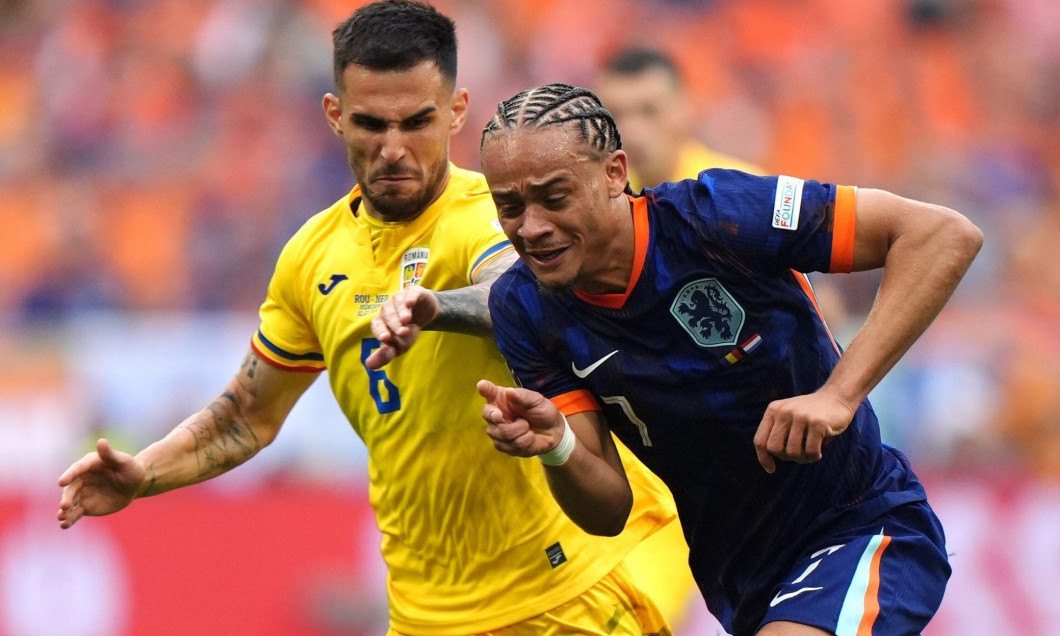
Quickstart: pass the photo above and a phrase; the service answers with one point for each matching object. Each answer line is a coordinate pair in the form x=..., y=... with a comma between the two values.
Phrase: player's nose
x=393, y=146
x=535, y=224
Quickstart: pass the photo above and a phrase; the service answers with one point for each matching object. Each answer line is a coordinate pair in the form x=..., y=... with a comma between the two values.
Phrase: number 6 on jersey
x=377, y=377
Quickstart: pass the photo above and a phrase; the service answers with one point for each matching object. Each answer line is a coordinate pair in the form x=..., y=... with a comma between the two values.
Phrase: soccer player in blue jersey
x=682, y=321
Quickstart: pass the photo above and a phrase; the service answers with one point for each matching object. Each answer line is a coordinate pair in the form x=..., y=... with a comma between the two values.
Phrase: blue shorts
x=886, y=578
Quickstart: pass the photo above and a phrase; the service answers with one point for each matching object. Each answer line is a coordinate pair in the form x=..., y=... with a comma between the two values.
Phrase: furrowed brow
x=513, y=193
x=428, y=110
x=365, y=119
x=551, y=183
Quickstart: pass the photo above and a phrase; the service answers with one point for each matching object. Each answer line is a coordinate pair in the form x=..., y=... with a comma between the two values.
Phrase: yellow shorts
x=612, y=607
x=659, y=565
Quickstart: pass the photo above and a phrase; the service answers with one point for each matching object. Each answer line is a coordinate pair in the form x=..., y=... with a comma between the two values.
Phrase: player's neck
x=615, y=271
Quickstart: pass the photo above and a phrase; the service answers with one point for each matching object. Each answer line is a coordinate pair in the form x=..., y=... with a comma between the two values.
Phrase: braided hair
x=558, y=104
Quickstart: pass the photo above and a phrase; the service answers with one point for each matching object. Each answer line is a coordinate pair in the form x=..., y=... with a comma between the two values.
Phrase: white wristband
x=561, y=453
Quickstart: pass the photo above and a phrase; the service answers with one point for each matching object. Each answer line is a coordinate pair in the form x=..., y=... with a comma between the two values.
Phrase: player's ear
x=459, y=106
x=617, y=171
x=333, y=113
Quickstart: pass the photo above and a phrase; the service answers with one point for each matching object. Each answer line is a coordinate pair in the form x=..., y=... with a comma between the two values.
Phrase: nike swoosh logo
x=583, y=373
x=780, y=598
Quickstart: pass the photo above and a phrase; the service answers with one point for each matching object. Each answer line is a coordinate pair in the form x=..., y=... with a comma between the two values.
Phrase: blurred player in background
x=472, y=539
x=646, y=95
x=680, y=321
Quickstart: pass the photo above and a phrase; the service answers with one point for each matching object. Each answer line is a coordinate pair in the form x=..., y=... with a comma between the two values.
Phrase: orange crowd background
x=155, y=156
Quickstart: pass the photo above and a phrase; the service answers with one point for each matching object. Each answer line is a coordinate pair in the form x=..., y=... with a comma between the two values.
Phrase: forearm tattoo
x=463, y=311
x=151, y=479
x=466, y=310
x=250, y=365
x=223, y=438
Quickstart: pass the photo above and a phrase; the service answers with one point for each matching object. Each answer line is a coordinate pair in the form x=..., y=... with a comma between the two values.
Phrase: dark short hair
x=635, y=61
x=395, y=35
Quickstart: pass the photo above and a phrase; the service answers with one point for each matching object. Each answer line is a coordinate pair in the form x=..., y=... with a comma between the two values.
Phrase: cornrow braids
x=558, y=104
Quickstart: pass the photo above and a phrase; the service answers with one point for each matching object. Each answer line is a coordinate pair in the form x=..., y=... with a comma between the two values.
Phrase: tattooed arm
x=464, y=310
x=242, y=420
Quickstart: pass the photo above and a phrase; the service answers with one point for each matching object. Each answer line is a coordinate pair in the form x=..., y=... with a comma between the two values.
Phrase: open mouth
x=547, y=258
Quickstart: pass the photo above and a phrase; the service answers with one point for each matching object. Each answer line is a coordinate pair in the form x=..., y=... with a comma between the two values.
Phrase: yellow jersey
x=472, y=538
x=692, y=159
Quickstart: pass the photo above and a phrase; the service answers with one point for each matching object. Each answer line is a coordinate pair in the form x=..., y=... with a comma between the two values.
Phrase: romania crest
x=413, y=264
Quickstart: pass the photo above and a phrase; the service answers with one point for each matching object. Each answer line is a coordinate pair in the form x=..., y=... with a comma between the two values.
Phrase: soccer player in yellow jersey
x=473, y=540
x=644, y=91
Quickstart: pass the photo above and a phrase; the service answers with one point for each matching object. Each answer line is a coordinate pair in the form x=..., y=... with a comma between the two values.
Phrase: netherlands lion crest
x=708, y=312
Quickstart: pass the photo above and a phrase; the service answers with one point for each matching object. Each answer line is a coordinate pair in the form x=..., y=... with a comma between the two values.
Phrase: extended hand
x=399, y=322
x=520, y=422
x=98, y=484
x=796, y=429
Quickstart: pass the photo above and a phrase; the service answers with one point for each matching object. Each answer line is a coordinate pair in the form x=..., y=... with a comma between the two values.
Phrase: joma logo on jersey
x=413, y=264
x=708, y=312
x=325, y=288
x=787, y=203
x=555, y=555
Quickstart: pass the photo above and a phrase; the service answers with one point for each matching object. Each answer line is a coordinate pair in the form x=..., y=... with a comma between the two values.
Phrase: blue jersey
x=717, y=322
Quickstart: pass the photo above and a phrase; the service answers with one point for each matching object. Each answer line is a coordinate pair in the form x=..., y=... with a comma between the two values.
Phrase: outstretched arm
x=242, y=420
x=464, y=310
x=589, y=482
x=924, y=250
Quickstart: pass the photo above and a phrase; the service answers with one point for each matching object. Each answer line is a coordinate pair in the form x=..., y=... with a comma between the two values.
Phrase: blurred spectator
x=645, y=93
x=1028, y=416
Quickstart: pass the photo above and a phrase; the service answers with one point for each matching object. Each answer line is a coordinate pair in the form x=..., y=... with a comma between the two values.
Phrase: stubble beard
x=559, y=287
x=554, y=289
x=396, y=208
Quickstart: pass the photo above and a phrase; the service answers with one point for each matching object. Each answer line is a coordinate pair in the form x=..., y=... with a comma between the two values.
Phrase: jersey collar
x=640, y=254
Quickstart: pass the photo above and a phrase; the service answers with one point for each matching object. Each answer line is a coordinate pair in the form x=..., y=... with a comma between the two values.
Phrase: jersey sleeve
x=485, y=252
x=530, y=364
x=285, y=338
x=473, y=237
x=772, y=223
x=483, y=240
